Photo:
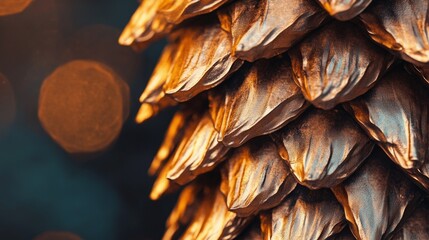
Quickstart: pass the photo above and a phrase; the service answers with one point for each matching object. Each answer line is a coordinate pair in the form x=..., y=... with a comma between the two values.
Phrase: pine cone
x=300, y=119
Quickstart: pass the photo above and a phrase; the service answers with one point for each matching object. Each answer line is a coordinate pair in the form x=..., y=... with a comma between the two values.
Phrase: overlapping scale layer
x=298, y=55
x=153, y=98
x=156, y=18
x=344, y=10
x=171, y=140
x=145, y=25
x=184, y=210
x=266, y=28
x=376, y=198
x=177, y=11
x=198, y=151
x=213, y=220
x=337, y=64
x=395, y=113
x=256, y=101
x=255, y=178
x=304, y=215
x=401, y=26
x=202, y=60
x=162, y=184
x=323, y=148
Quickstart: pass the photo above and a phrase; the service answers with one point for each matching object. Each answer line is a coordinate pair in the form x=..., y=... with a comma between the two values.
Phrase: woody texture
x=298, y=119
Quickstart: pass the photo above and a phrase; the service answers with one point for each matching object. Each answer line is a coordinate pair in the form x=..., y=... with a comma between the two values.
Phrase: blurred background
x=43, y=187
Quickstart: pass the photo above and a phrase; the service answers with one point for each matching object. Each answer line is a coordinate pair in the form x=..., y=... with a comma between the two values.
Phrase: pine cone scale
x=296, y=125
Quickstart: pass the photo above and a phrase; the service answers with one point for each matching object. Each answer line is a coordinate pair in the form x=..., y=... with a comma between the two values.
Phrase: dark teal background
x=42, y=188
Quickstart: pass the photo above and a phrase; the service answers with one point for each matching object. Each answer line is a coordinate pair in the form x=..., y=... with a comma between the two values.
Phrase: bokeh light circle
x=9, y=7
x=82, y=105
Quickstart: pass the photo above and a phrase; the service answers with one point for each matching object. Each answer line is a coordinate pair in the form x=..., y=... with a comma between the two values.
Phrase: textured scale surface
x=162, y=184
x=177, y=11
x=183, y=211
x=199, y=137
x=300, y=119
x=255, y=178
x=266, y=28
x=371, y=201
x=156, y=18
x=324, y=161
x=256, y=102
x=304, y=215
x=395, y=113
x=401, y=26
x=171, y=139
x=198, y=65
x=213, y=220
x=344, y=10
x=145, y=25
x=153, y=98
x=337, y=64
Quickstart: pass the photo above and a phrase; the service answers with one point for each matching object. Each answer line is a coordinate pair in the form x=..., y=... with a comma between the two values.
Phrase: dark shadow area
x=42, y=187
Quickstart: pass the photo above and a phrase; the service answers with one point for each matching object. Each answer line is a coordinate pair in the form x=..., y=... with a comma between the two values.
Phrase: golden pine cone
x=300, y=119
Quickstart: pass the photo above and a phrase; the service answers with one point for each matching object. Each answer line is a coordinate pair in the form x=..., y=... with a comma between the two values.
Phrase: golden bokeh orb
x=82, y=106
x=9, y=7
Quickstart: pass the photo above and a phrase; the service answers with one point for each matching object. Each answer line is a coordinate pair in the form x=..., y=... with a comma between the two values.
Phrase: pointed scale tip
x=163, y=153
x=145, y=112
x=154, y=195
x=160, y=188
x=126, y=38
